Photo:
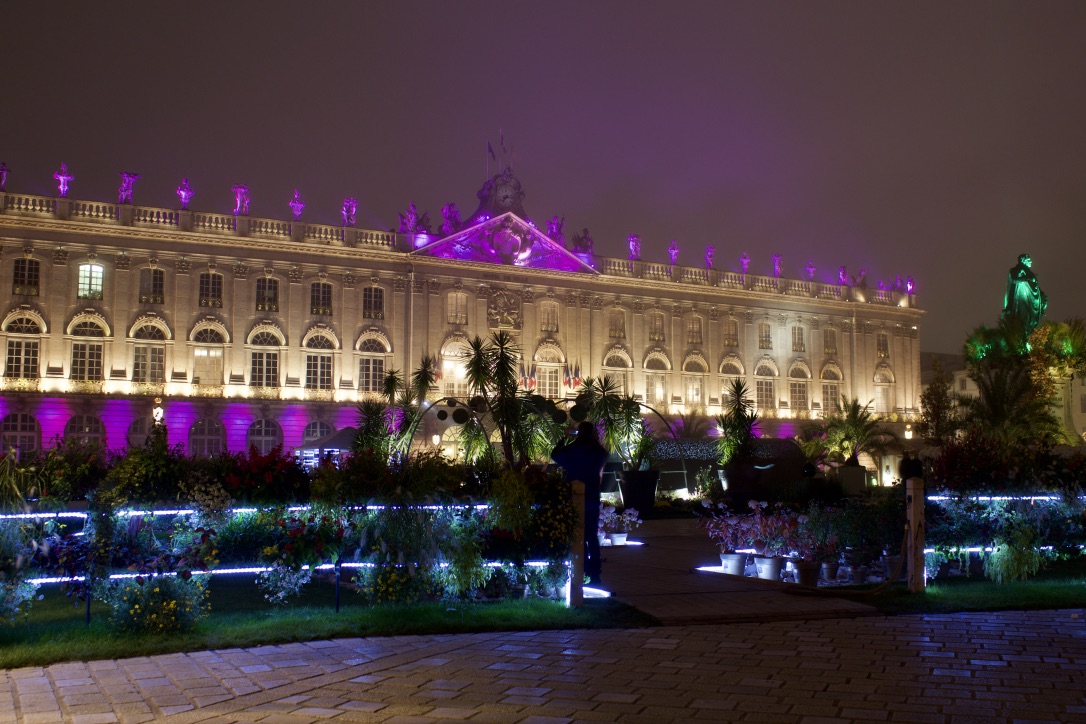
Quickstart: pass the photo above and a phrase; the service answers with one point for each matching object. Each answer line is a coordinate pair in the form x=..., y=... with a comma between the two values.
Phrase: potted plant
x=618, y=525
x=813, y=549
x=729, y=531
x=770, y=534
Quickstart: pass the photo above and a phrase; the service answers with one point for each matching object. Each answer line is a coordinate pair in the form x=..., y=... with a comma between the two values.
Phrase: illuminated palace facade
x=255, y=331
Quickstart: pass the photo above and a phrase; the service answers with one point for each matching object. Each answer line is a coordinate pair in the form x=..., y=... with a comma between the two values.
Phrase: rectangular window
x=152, y=286
x=765, y=395
x=371, y=374
x=693, y=389
x=798, y=342
x=829, y=342
x=831, y=396
x=149, y=365
x=26, y=277
x=458, y=308
x=373, y=303
x=267, y=295
x=318, y=372
x=656, y=328
x=617, y=325
x=797, y=395
x=207, y=367
x=549, y=321
x=546, y=379
x=765, y=335
x=731, y=333
x=264, y=370
x=883, y=405
x=22, y=358
x=86, y=361
x=90, y=281
x=882, y=345
x=656, y=389
x=211, y=290
x=320, y=299
x=693, y=330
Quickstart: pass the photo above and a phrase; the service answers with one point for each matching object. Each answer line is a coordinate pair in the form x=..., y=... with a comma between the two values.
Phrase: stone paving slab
x=1008, y=666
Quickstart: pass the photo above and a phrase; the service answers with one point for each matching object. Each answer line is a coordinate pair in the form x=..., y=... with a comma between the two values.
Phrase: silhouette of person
x=583, y=459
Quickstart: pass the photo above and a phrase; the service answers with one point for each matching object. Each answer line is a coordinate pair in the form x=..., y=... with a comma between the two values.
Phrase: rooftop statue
x=709, y=251
x=635, y=247
x=810, y=269
x=842, y=274
x=860, y=282
x=582, y=243
x=349, y=211
x=744, y=262
x=297, y=206
x=910, y=285
x=1024, y=299
x=63, y=178
x=241, y=200
x=777, y=265
x=128, y=182
x=450, y=219
x=412, y=223
x=898, y=284
x=556, y=229
x=3, y=175
x=673, y=251
x=184, y=194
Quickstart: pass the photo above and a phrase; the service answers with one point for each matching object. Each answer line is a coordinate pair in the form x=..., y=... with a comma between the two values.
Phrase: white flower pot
x=618, y=539
x=734, y=563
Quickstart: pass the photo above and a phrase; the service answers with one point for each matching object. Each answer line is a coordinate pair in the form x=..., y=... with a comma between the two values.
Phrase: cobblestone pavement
x=1010, y=666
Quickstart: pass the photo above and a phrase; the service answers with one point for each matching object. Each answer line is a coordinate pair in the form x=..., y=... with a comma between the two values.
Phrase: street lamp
x=158, y=414
x=908, y=432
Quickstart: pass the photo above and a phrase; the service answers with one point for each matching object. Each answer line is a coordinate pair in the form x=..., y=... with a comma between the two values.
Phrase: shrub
x=244, y=536
x=389, y=583
x=1015, y=556
x=15, y=556
x=161, y=604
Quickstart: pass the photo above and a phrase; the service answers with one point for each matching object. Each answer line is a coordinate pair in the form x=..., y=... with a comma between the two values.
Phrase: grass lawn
x=55, y=630
x=1060, y=585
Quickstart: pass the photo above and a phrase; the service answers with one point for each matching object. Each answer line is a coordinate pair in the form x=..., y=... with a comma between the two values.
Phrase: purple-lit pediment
x=509, y=241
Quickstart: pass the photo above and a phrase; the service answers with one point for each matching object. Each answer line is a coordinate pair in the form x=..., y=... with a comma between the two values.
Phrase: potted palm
x=851, y=430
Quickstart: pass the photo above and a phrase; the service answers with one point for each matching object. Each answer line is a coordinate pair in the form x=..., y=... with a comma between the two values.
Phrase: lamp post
x=158, y=413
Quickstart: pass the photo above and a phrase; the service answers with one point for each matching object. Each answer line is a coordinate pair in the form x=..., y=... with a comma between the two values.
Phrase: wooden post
x=576, y=552
x=914, y=501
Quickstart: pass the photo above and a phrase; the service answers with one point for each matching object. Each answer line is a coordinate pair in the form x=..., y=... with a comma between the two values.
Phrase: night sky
x=931, y=139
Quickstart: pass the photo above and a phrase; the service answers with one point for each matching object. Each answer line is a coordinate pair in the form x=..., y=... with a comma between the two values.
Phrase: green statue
x=1024, y=299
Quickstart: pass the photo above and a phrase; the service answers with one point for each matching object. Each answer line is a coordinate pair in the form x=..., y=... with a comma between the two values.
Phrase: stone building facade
x=256, y=331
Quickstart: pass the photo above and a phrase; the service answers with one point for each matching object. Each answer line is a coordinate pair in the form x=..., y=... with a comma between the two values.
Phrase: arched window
x=318, y=362
x=264, y=360
x=149, y=355
x=264, y=435
x=211, y=290
x=371, y=365
x=320, y=299
x=207, y=437
x=765, y=386
x=730, y=333
x=617, y=365
x=831, y=389
x=798, y=381
x=138, y=432
x=548, y=372
x=207, y=356
x=453, y=374
x=20, y=432
x=656, y=369
x=694, y=373
x=87, y=356
x=89, y=284
x=315, y=431
x=23, y=350
x=548, y=316
x=731, y=369
x=85, y=429
x=884, y=390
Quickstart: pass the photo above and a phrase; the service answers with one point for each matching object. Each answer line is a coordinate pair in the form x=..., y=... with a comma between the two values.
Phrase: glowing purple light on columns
x=3, y=175
x=673, y=251
x=241, y=200
x=635, y=247
x=63, y=178
x=777, y=265
x=744, y=262
x=349, y=211
x=709, y=251
x=297, y=206
x=128, y=182
x=184, y=194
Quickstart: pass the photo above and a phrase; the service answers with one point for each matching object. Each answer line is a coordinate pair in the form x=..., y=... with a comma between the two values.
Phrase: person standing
x=583, y=459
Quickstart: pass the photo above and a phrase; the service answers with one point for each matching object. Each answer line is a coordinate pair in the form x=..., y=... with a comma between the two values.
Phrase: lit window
x=765, y=335
x=458, y=308
x=371, y=366
x=85, y=429
x=207, y=362
x=765, y=387
x=547, y=382
x=798, y=343
x=22, y=356
x=90, y=281
x=264, y=367
x=318, y=365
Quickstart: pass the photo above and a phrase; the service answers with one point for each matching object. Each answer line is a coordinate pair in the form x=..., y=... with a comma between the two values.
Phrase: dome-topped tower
x=499, y=195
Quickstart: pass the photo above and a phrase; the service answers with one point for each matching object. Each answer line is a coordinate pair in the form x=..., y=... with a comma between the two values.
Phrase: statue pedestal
x=63, y=209
x=124, y=215
x=184, y=220
x=242, y=226
x=297, y=231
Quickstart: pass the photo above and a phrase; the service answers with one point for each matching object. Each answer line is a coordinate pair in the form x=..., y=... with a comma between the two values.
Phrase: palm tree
x=625, y=432
x=1008, y=408
x=852, y=429
x=738, y=425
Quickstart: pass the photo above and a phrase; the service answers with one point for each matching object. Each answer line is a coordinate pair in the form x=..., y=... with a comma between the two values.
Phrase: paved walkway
x=1012, y=666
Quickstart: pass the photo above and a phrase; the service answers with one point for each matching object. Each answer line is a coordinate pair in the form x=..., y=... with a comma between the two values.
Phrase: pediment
x=507, y=240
